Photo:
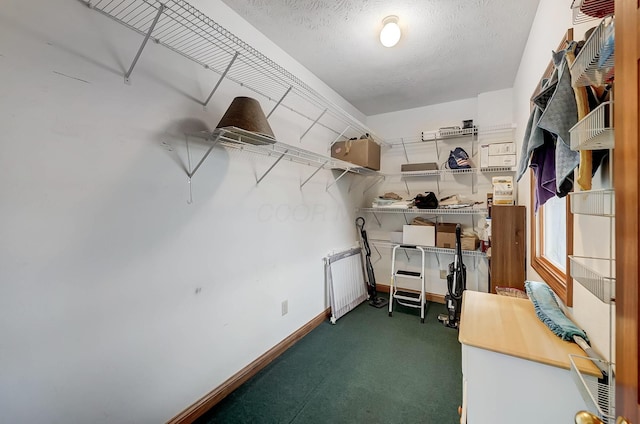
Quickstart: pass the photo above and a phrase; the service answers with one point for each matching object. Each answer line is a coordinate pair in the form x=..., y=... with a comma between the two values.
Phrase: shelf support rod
x=407, y=187
x=144, y=43
x=374, y=183
x=341, y=135
x=337, y=179
x=272, y=166
x=215, y=141
x=314, y=122
x=314, y=173
x=279, y=101
x=377, y=220
x=405, y=149
x=224, y=74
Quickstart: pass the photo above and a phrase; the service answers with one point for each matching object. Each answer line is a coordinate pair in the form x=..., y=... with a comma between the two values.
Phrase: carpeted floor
x=368, y=368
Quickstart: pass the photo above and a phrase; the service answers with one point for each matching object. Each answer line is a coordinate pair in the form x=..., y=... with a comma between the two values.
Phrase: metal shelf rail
x=246, y=141
x=182, y=28
x=598, y=395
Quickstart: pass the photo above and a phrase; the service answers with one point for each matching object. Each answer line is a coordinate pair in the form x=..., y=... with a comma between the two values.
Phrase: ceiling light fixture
x=390, y=34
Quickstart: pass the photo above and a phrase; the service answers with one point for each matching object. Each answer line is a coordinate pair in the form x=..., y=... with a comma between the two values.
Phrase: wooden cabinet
x=508, y=247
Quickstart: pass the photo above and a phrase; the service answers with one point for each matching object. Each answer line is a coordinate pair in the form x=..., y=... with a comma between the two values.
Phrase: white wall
x=552, y=20
x=120, y=302
x=487, y=109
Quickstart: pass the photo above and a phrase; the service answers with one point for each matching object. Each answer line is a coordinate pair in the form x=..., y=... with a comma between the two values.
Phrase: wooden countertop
x=510, y=326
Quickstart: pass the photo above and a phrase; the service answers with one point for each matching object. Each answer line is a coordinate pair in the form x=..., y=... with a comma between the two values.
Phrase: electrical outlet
x=443, y=274
x=285, y=307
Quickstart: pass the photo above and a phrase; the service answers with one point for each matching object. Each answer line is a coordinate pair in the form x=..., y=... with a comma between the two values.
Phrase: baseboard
x=205, y=403
x=431, y=297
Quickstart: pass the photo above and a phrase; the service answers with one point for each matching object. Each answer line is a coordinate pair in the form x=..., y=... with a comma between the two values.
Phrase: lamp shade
x=246, y=113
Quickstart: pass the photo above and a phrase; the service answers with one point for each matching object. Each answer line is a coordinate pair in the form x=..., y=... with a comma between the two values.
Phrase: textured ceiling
x=449, y=50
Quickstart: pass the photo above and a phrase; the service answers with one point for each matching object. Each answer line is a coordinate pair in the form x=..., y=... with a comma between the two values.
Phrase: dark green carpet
x=368, y=368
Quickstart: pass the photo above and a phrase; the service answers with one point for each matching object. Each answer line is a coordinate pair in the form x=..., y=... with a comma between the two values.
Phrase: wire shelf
x=596, y=275
x=594, y=131
x=416, y=211
x=246, y=141
x=430, y=249
x=438, y=172
x=594, y=65
x=588, y=10
x=185, y=30
x=598, y=394
x=594, y=202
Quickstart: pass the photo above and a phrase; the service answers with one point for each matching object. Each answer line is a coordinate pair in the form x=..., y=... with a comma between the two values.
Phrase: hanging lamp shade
x=246, y=114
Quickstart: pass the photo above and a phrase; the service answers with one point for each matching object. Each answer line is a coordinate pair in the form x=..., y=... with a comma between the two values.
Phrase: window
x=551, y=243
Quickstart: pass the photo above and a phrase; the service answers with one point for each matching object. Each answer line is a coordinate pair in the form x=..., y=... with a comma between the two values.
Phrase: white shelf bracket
x=279, y=101
x=144, y=43
x=405, y=149
x=224, y=74
x=377, y=220
x=272, y=166
x=191, y=173
x=379, y=179
x=314, y=173
x=407, y=187
x=337, y=179
x=312, y=125
x=340, y=136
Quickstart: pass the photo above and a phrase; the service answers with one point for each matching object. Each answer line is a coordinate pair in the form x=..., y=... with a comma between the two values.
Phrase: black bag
x=458, y=159
x=426, y=201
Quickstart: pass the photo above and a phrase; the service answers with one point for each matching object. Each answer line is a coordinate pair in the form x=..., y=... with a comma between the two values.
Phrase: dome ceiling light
x=390, y=34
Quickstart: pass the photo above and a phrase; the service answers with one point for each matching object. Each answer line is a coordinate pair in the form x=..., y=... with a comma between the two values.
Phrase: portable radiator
x=345, y=277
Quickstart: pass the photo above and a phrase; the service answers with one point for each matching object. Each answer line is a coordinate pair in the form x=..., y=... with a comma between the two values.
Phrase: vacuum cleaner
x=456, y=285
x=374, y=300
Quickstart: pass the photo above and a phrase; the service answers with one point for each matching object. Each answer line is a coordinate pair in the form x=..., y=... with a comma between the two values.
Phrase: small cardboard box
x=502, y=160
x=419, y=235
x=499, y=149
x=497, y=154
x=446, y=236
x=469, y=242
x=363, y=152
x=503, y=190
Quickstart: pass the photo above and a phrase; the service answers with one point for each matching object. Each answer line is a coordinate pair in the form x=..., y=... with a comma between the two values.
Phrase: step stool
x=403, y=297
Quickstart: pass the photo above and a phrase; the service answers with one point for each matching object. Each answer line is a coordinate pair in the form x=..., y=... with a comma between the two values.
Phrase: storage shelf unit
x=182, y=28
x=416, y=211
x=594, y=63
x=593, y=202
x=595, y=274
x=599, y=396
x=430, y=249
x=594, y=131
x=429, y=136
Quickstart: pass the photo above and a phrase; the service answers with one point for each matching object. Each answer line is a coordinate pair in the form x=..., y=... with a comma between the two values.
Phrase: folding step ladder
x=403, y=297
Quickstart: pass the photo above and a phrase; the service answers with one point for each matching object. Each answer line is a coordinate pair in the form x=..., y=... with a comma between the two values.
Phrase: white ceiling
x=449, y=50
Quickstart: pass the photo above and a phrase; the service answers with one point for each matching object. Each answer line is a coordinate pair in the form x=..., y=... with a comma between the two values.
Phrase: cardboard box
x=503, y=191
x=502, y=160
x=363, y=152
x=469, y=242
x=419, y=235
x=499, y=149
x=446, y=236
x=497, y=154
x=413, y=167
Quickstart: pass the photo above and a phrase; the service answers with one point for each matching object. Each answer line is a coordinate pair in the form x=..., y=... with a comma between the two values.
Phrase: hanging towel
x=543, y=164
x=560, y=115
x=533, y=138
